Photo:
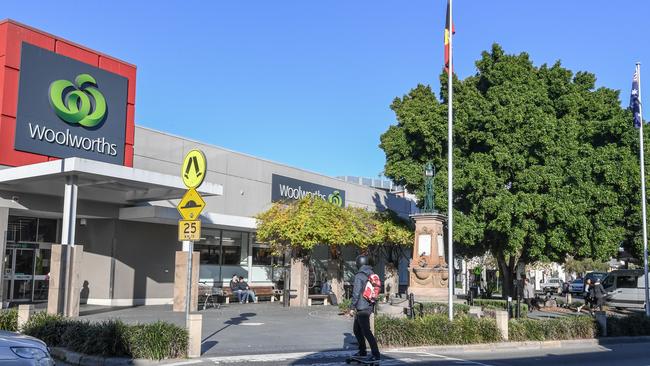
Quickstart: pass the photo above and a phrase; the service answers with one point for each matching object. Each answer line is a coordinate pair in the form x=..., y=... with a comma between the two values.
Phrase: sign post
x=193, y=173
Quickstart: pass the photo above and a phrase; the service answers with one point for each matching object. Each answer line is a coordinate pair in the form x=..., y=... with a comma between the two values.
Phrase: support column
x=4, y=223
x=68, y=237
x=58, y=295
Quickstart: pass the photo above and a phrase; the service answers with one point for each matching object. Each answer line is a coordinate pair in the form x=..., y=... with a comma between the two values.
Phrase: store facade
x=76, y=170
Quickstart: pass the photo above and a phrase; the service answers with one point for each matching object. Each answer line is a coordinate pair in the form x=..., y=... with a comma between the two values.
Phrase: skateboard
x=360, y=361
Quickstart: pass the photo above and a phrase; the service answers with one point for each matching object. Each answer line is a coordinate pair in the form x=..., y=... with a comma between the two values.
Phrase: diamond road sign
x=191, y=205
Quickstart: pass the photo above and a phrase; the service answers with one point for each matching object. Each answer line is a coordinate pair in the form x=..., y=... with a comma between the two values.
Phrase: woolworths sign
x=289, y=189
x=67, y=108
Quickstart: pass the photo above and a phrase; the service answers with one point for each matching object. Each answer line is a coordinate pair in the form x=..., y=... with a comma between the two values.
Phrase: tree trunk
x=391, y=280
x=335, y=276
x=507, y=272
x=299, y=282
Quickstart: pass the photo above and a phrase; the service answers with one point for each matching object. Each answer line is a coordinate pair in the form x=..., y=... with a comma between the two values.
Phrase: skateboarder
x=361, y=309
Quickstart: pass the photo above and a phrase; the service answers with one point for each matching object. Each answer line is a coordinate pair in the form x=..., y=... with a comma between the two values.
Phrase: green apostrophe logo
x=335, y=198
x=82, y=104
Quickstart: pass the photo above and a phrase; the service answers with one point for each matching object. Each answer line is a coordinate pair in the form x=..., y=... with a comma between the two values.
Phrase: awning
x=170, y=216
x=98, y=181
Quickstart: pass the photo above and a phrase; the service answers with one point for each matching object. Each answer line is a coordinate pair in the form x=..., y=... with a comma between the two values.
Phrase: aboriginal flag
x=449, y=26
x=635, y=102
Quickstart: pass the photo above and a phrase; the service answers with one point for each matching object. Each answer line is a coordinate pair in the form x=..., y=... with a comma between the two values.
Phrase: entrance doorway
x=26, y=269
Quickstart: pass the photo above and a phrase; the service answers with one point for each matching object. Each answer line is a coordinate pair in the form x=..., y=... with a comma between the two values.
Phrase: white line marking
x=184, y=363
x=251, y=323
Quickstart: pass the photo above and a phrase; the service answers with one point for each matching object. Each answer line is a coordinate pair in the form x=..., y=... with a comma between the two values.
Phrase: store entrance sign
x=67, y=108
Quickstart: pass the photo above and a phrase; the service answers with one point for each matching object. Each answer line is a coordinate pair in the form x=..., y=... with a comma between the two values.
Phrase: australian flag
x=635, y=102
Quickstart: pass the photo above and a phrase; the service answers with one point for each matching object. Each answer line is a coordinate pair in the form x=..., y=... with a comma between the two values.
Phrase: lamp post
x=429, y=175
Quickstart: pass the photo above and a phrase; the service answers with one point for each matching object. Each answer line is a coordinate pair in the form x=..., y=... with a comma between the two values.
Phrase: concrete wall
x=246, y=179
x=127, y=263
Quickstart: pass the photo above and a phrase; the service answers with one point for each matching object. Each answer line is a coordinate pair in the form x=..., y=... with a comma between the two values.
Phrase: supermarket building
x=76, y=170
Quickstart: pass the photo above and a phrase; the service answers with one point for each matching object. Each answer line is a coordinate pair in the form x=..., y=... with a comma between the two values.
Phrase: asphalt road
x=625, y=354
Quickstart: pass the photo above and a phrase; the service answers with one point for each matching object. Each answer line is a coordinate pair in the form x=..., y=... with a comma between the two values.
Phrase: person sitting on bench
x=246, y=291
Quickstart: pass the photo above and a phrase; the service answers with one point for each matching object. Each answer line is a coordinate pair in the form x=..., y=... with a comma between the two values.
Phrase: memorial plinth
x=428, y=273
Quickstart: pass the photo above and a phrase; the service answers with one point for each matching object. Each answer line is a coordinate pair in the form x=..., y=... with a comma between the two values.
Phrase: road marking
x=251, y=323
x=184, y=363
x=443, y=357
x=276, y=357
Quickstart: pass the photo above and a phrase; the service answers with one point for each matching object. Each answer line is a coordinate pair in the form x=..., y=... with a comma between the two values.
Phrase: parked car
x=577, y=286
x=18, y=349
x=552, y=285
x=625, y=288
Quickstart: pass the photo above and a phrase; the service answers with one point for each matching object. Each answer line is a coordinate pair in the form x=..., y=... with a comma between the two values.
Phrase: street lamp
x=428, y=170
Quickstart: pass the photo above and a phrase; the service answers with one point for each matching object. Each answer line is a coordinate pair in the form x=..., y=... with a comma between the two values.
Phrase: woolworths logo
x=335, y=198
x=79, y=103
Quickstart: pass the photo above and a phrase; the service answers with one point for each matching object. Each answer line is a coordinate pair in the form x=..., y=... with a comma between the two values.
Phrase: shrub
x=345, y=305
x=156, y=341
x=575, y=327
x=496, y=304
x=9, y=320
x=633, y=325
x=430, y=308
x=435, y=329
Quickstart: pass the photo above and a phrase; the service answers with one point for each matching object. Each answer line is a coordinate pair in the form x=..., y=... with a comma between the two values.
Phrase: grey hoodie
x=360, y=279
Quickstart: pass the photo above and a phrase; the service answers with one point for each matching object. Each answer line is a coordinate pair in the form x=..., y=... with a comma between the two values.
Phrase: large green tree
x=545, y=164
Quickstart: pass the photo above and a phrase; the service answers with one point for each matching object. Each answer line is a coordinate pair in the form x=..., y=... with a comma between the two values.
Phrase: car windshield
x=595, y=275
x=579, y=280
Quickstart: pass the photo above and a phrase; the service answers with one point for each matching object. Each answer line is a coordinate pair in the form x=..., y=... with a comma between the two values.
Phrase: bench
x=325, y=299
x=260, y=291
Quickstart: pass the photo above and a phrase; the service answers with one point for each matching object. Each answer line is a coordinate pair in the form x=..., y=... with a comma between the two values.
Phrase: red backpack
x=373, y=286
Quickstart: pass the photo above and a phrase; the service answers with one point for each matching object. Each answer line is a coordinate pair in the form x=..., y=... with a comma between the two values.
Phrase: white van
x=625, y=288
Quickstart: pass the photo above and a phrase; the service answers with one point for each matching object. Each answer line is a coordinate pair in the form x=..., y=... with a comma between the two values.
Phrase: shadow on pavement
x=233, y=321
x=102, y=310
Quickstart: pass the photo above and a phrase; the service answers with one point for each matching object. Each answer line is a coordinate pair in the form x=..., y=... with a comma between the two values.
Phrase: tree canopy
x=308, y=222
x=545, y=163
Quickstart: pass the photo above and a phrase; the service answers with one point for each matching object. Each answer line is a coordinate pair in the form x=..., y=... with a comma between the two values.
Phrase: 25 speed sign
x=189, y=230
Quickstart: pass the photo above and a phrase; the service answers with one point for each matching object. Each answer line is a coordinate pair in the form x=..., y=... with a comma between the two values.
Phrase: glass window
x=46, y=231
x=625, y=282
x=232, y=250
x=609, y=282
x=261, y=255
x=209, y=247
x=21, y=229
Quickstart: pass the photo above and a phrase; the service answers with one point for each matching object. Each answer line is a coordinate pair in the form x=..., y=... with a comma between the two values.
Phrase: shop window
x=232, y=248
x=262, y=255
x=21, y=229
x=210, y=254
x=47, y=231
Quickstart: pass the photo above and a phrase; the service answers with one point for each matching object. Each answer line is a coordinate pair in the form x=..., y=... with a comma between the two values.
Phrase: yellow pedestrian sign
x=191, y=205
x=194, y=168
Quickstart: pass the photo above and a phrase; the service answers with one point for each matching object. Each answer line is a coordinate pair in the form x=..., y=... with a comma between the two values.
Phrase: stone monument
x=428, y=273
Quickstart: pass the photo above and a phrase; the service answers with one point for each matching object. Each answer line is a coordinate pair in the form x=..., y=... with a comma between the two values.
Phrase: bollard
x=194, y=330
x=601, y=319
x=502, y=323
x=24, y=312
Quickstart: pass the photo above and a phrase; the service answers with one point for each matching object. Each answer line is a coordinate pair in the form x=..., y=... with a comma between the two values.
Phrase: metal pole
x=450, y=171
x=188, y=297
x=643, y=199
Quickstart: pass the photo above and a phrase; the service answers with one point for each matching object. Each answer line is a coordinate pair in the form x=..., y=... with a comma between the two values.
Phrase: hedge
x=497, y=304
x=573, y=327
x=435, y=329
x=9, y=320
x=431, y=308
x=156, y=341
x=632, y=325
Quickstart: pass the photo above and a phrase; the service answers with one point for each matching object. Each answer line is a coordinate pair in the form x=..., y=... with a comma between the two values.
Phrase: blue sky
x=309, y=83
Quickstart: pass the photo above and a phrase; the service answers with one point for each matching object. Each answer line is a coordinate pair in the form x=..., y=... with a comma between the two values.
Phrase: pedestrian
x=529, y=294
x=588, y=296
x=247, y=294
x=599, y=295
x=361, y=309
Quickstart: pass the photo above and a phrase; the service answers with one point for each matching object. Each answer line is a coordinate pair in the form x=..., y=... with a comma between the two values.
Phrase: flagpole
x=643, y=199
x=450, y=172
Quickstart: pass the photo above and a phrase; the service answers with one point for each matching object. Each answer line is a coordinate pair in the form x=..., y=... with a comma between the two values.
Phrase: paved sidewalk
x=237, y=329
